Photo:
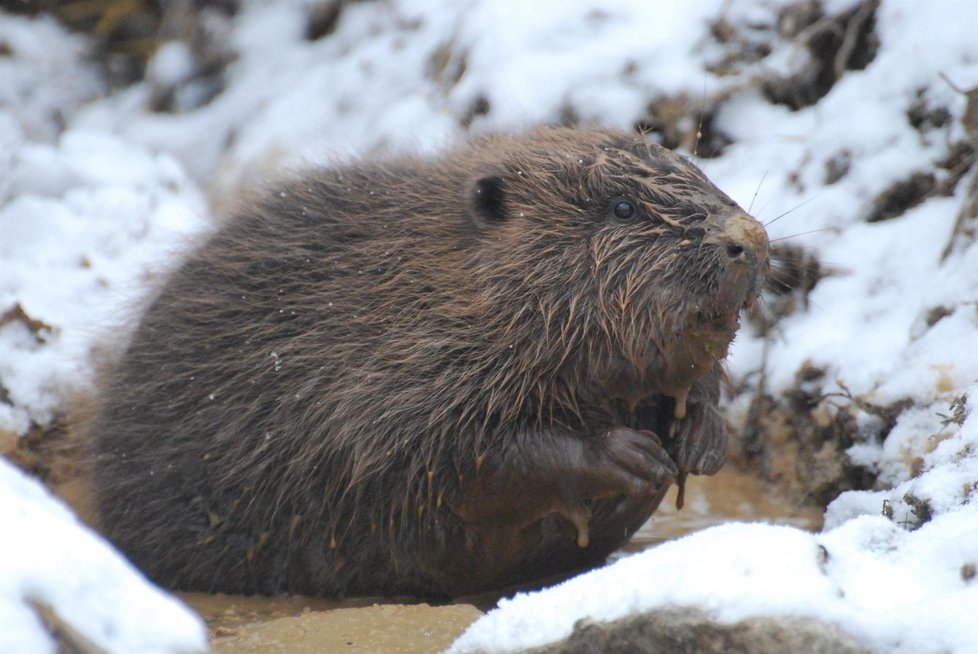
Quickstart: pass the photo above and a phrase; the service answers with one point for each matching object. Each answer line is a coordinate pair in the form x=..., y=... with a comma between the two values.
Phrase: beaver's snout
x=744, y=245
x=746, y=240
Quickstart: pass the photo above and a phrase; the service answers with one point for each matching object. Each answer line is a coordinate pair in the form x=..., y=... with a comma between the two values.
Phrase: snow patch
x=51, y=560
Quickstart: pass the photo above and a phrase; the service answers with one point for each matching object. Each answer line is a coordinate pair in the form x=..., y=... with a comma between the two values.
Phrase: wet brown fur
x=406, y=376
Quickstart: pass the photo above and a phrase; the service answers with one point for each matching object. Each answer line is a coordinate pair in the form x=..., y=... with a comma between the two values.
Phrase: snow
x=878, y=579
x=43, y=51
x=97, y=216
x=171, y=64
x=99, y=194
x=50, y=559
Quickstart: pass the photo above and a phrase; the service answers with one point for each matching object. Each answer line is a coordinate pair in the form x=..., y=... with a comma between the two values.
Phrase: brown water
x=299, y=625
x=728, y=496
x=259, y=625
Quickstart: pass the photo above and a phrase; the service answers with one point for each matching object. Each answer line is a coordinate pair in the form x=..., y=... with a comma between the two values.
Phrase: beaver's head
x=609, y=258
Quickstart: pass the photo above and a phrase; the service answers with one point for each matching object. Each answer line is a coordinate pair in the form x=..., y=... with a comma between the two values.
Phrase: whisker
x=794, y=208
x=761, y=211
x=699, y=124
x=756, y=191
x=783, y=280
x=811, y=231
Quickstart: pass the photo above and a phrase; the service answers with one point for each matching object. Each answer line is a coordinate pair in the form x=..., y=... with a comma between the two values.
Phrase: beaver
x=429, y=376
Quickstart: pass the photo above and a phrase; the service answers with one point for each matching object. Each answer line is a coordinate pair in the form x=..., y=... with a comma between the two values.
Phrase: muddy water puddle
x=300, y=625
x=259, y=625
x=728, y=496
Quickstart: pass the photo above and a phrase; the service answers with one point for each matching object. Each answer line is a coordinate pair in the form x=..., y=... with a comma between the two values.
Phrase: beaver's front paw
x=629, y=462
x=621, y=463
x=699, y=442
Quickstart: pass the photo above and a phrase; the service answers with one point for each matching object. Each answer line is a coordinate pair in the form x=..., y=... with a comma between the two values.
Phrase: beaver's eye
x=623, y=210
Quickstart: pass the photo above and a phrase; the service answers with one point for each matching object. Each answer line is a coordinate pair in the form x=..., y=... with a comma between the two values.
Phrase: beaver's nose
x=743, y=243
x=744, y=239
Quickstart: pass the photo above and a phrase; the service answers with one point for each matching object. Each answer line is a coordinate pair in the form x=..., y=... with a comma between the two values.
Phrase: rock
x=683, y=630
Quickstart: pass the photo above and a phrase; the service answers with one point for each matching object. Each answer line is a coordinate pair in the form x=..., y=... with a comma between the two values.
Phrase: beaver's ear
x=487, y=200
